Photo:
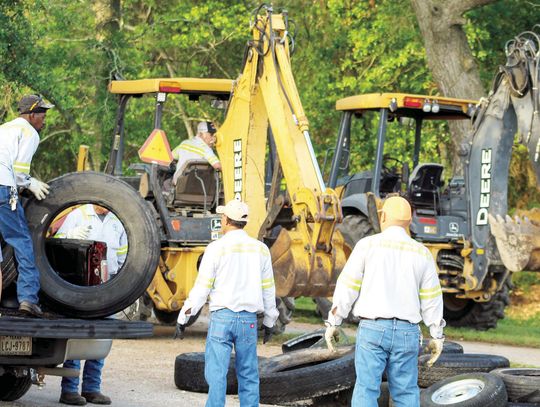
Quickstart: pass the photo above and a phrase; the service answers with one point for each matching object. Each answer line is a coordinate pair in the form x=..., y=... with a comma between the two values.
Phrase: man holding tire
x=236, y=271
x=19, y=141
x=392, y=281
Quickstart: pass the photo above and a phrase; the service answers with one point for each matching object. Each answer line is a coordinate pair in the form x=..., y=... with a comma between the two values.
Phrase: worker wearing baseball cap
x=197, y=148
x=392, y=281
x=236, y=271
x=19, y=141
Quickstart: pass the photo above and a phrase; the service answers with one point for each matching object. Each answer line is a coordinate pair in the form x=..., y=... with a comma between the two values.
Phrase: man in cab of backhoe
x=197, y=148
x=392, y=281
x=236, y=271
x=19, y=140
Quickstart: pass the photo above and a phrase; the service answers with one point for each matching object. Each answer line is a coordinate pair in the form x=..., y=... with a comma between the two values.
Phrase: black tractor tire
x=8, y=265
x=322, y=308
x=477, y=315
x=14, y=387
x=305, y=374
x=143, y=239
x=285, y=306
x=448, y=347
x=453, y=392
x=166, y=317
x=522, y=384
x=452, y=364
x=189, y=373
x=354, y=227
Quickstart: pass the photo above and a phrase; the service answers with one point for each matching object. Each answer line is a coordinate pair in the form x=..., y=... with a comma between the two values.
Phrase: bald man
x=392, y=281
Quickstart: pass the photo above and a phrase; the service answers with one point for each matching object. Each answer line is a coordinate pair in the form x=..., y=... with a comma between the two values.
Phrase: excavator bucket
x=301, y=271
x=518, y=240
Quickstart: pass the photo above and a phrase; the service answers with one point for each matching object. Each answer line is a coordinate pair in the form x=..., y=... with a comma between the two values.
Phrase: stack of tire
x=307, y=370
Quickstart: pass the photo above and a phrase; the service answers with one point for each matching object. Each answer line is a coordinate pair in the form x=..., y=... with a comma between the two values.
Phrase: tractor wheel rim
x=458, y=391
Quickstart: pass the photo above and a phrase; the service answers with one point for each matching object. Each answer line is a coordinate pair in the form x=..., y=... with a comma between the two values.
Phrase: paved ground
x=139, y=373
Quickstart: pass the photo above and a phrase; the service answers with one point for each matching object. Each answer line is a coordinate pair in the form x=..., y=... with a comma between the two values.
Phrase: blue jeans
x=390, y=344
x=91, y=382
x=228, y=328
x=14, y=231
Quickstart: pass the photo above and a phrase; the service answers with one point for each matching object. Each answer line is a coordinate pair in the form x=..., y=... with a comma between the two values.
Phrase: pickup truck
x=31, y=348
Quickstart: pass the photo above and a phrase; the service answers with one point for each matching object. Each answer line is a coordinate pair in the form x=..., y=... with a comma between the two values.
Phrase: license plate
x=15, y=345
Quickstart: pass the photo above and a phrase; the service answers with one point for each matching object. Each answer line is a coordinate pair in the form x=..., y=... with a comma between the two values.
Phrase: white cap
x=206, y=127
x=235, y=210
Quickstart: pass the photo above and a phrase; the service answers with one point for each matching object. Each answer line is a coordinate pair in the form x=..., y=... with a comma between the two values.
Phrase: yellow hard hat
x=397, y=209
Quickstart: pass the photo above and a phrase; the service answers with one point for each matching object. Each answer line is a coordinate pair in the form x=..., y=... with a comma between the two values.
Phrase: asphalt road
x=140, y=373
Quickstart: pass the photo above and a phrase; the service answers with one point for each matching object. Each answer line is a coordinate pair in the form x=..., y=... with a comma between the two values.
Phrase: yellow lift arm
x=307, y=257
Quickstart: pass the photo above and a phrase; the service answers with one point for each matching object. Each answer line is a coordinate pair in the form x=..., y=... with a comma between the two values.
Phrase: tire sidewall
x=142, y=234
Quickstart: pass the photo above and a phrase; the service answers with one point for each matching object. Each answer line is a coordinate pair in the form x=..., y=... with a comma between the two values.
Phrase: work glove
x=268, y=332
x=179, y=331
x=435, y=347
x=79, y=232
x=331, y=336
x=38, y=188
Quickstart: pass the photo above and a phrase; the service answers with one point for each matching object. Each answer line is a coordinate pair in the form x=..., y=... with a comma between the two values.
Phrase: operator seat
x=197, y=185
x=424, y=184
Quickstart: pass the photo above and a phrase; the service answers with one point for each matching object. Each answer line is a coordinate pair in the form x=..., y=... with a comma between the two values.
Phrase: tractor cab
x=196, y=190
x=439, y=210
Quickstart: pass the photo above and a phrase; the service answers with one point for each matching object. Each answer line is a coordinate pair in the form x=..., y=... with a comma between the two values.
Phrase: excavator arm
x=307, y=255
x=512, y=107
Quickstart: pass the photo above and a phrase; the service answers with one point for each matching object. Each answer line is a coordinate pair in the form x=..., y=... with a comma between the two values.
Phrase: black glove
x=179, y=332
x=268, y=332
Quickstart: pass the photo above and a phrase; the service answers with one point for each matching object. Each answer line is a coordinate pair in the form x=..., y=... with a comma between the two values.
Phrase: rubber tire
x=449, y=365
x=13, y=388
x=354, y=227
x=480, y=315
x=305, y=374
x=286, y=307
x=323, y=305
x=143, y=237
x=492, y=395
x=189, y=373
x=8, y=265
x=522, y=384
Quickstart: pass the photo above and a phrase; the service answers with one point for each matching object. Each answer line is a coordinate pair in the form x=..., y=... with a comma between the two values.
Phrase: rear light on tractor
x=169, y=87
x=413, y=102
x=427, y=221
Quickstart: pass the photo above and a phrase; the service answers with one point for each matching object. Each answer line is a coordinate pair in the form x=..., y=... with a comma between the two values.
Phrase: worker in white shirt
x=236, y=271
x=94, y=222
x=197, y=148
x=392, y=281
x=19, y=141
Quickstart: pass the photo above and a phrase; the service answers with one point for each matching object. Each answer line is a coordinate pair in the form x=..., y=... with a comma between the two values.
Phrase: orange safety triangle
x=156, y=149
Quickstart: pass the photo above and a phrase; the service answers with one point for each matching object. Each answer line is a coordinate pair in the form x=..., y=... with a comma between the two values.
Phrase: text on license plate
x=15, y=345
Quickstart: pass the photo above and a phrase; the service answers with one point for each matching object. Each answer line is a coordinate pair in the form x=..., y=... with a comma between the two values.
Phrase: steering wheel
x=390, y=169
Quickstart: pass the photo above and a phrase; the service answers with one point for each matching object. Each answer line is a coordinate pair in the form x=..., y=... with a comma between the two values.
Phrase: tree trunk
x=449, y=57
x=107, y=24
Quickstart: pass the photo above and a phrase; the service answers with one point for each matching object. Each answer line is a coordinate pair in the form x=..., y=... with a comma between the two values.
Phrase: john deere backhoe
x=297, y=223
x=464, y=223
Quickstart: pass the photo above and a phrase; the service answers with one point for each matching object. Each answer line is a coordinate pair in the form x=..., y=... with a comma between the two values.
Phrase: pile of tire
x=307, y=370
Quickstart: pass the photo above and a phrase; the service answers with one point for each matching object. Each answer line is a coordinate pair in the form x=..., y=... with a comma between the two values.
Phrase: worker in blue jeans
x=19, y=140
x=390, y=281
x=236, y=272
x=92, y=222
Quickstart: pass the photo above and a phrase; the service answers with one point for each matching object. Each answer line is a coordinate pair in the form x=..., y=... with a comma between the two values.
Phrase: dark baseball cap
x=33, y=104
x=206, y=127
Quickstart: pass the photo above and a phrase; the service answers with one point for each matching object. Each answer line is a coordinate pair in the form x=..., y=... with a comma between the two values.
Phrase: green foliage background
x=342, y=47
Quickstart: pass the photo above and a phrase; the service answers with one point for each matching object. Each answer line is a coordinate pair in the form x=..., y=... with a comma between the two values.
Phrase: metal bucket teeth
x=518, y=241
